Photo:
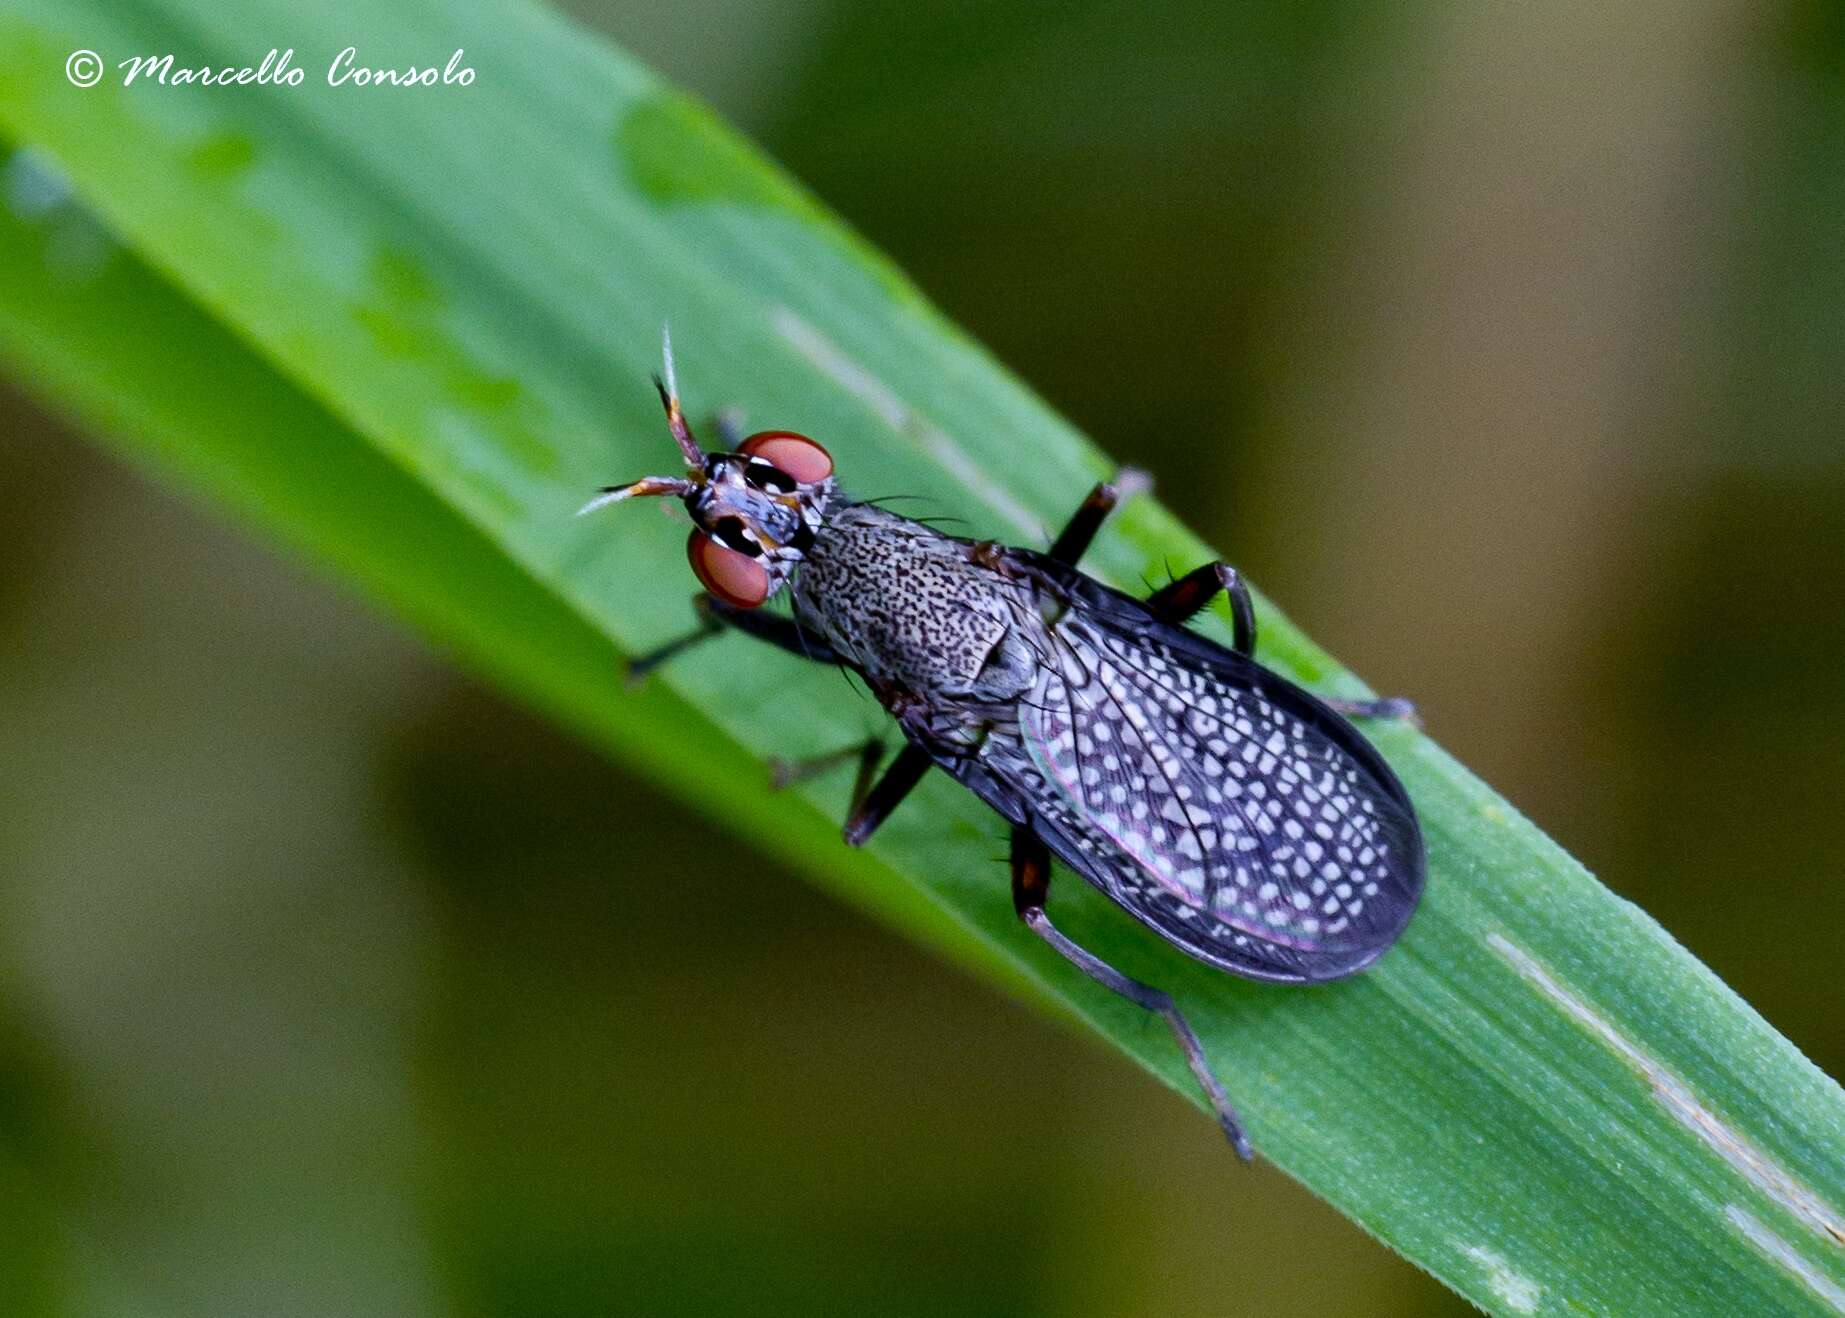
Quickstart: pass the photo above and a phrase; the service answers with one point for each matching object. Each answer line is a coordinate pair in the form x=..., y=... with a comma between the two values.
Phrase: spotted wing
x=1217, y=802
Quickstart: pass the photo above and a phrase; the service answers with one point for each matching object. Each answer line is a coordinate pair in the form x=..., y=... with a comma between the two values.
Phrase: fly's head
x=754, y=512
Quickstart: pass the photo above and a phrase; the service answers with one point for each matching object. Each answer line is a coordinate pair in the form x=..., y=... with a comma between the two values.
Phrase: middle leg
x=1075, y=539
x=872, y=800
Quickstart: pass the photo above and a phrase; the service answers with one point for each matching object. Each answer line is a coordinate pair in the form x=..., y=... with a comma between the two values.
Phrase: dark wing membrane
x=1217, y=802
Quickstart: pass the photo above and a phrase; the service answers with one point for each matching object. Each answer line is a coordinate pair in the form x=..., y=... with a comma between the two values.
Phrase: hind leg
x=1031, y=882
x=1181, y=599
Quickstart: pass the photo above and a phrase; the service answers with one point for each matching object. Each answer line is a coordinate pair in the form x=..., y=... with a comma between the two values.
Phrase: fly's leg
x=1031, y=883
x=714, y=616
x=781, y=632
x=872, y=801
x=874, y=806
x=1094, y=510
x=642, y=665
x=1178, y=600
x=1181, y=599
x=789, y=772
x=1395, y=707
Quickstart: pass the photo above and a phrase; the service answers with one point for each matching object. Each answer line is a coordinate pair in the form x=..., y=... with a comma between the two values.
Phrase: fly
x=1244, y=820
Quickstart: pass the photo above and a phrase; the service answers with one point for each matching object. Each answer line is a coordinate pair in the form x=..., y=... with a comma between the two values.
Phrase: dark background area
x=1500, y=345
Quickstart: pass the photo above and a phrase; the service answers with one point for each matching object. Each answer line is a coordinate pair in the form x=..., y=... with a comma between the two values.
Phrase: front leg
x=781, y=632
x=714, y=616
x=1031, y=885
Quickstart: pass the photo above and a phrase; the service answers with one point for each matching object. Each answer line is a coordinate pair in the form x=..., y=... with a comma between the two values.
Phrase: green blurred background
x=1500, y=344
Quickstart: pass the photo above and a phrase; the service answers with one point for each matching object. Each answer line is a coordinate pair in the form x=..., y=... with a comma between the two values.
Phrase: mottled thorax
x=913, y=607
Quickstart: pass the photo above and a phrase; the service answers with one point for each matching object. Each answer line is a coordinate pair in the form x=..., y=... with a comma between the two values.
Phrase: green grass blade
x=411, y=331
x=179, y=402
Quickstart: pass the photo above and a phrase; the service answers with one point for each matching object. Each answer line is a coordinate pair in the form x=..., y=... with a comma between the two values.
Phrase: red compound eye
x=795, y=454
x=730, y=576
